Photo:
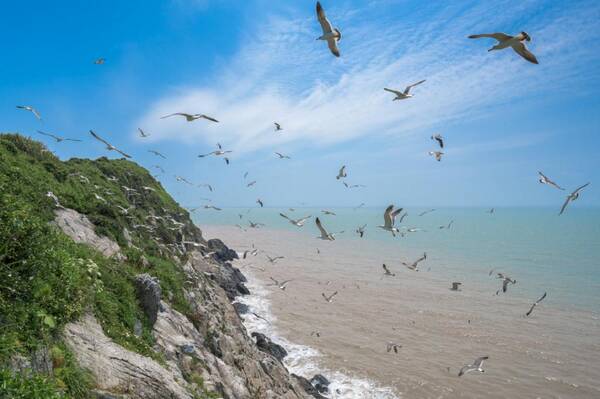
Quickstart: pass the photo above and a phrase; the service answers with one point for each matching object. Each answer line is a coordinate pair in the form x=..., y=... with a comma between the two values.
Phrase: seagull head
x=526, y=36
x=338, y=35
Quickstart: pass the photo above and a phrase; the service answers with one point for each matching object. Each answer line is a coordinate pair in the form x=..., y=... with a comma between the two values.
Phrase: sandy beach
x=552, y=354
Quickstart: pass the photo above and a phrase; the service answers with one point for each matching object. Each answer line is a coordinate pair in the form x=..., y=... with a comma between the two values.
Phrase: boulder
x=320, y=383
x=222, y=252
x=308, y=387
x=266, y=345
x=148, y=293
x=241, y=308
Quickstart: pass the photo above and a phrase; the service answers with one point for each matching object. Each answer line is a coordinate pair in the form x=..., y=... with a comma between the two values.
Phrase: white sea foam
x=301, y=359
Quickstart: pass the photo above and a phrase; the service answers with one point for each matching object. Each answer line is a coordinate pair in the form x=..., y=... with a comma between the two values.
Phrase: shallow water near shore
x=551, y=354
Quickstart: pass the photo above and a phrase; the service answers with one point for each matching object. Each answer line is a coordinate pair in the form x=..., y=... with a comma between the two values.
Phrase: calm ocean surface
x=542, y=251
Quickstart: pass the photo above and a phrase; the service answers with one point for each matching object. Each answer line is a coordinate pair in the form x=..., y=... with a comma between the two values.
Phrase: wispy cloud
x=282, y=74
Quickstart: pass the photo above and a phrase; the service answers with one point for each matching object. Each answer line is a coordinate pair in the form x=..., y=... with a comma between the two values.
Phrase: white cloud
x=282, y=74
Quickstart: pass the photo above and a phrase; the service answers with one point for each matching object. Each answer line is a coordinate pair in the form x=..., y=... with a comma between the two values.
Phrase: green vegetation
x=46, y=280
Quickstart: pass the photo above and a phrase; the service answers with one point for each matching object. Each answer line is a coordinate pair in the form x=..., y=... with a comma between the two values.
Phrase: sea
x=553, y=353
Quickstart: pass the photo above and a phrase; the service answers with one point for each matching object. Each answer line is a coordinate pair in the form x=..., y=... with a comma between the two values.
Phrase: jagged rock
x=308, y=387
x=266, y=345
x=117, y=369
x=41, y=361
x=320, y=383
x=241, y=308
x=242, y=289
x=148, y=293
x=222, y=252
x=80, y=229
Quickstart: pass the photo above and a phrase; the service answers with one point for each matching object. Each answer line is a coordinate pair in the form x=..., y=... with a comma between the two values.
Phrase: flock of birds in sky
x=392, y=216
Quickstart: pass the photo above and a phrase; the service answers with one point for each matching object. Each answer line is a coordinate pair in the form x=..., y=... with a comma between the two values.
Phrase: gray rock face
x=222, y=252
x=148, y=293
x=117, y=369
x=80, y=229
x=308, y=387
x=266, y=345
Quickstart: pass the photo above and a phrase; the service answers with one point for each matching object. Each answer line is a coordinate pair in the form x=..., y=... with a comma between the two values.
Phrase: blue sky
x=252, y=63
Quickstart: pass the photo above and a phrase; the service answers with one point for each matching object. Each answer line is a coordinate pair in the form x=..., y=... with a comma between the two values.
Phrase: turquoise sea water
x=541, y=250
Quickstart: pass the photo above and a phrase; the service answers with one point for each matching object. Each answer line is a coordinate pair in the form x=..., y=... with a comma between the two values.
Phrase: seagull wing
x=565, y=205
x=99, y=138
x=387, y=217
x=71, y=140
x=49, y=135
x=285, y=217
x=324, y=232
x=325, y=24
x=501, y=37
x=580, y=188
x=174, y=114
x=332, y=44
x=396, y=92
x=407, y=90
x=465, y=369
x=524, y=52
x=122, y=153
x=479, y=361
x=209, y=118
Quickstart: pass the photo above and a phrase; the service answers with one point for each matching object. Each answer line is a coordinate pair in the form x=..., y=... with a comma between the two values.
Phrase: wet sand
x=555, y=353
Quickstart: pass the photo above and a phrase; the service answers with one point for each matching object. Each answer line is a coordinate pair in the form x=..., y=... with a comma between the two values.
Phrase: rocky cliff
x=108, y=290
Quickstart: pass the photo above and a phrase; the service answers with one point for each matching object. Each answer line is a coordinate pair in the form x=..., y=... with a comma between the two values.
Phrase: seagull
x=492, y=210
x=353, y=185
x=315, y=333
x=395, y=347
x=245, y=175
x=275, y=259
x=437, y=154
x=99, y=198
x=572, y=197
x=389, y=218
x=413, y=266
x=124, y=211
x=247, y=252
x=282, y=286
x=142, y=133
x=326, y=212
x=545, y=180
x=30, y=109
x=426, y=212
x=277, y=126
x=254, y=225
x=456, y=286
x=50, y=194
x=57, y=138
x=158, y=154
x=387, y=272
x=296, y=222
x=259, y=202
x=516, y=42
x=100, y=61
x=183, y=180
x=251, y=183
x=212, y=207
x=216, y=153
x=505, y=281
x=342, y=173
x=329, y=298
x=439, y=139
x=402, y=95
x=191, y=117
x=361, y=230
x=448, y=226
x=476, y=366
x=109, y=146
x=324, y=234
x=281, y=156
x=360, y=206
x=210, y=188
x=535, y=304
x=330, y=34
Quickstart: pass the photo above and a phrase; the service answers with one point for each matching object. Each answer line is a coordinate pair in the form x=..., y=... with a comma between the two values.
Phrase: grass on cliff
x=46, y=280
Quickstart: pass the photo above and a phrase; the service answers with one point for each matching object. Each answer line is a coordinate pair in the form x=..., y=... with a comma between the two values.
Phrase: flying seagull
x=212, y=207
x=403, y=95
x=326, y=212
x=386, y=271
x=158, y=154
x=109, y=146
x=456, y=286
x=51, y=195
x=210, y=188
x=296, y=222
x=281, y=156
x=413, y=266
x=274, y=259
x=277, y=126
x=535, y=304
x=448, y=226
x=393, y=346
x=505, y=281
x=251, y=183
x=324, y=234
x=279, y=285
x=572, y=197
x=191, y=117
x=330, y=34
x=57, y=138
x=342, y=173
x=30, y=109
x=100, y=61
x=216, y=153
x=426, y=212
x=361, y=230
x=259, y=202
x=439, y=139
x=183, y=180
x=329, y=298
x=545, y=180
x=142, y=133
x=516, y=42
x=389, y=219
x=437, y=154
x=254, y=225
x=476, y=366
x=353, y=185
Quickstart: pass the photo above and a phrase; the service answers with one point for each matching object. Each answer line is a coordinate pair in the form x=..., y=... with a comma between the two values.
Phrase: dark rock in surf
x=266, y=345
